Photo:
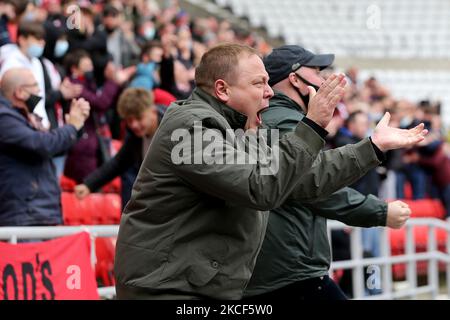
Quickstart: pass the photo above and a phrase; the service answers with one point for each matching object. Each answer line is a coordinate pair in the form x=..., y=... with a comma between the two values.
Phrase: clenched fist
x=397, y=215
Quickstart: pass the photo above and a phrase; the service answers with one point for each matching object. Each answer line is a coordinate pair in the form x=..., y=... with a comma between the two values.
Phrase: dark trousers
x=322, y=288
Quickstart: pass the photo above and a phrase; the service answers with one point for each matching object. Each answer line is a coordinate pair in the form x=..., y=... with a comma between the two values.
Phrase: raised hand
x=322, y=104
x=389, y=138
x=70, y=90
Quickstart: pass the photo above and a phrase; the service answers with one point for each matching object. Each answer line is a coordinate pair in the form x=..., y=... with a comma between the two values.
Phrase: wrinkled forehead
x=251, y=66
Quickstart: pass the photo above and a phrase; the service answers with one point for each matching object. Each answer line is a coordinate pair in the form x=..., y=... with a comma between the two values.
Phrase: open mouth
x=258, y=115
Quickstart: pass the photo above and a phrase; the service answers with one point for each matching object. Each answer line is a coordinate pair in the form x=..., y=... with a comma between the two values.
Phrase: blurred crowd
x=421, y=172
x=95, y=50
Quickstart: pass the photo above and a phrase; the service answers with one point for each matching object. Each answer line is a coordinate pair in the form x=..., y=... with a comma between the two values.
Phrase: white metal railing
x=13, y=234
x=433, y=256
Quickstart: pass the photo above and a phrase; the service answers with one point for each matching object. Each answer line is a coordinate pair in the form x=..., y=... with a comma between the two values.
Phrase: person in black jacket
x=142, y=117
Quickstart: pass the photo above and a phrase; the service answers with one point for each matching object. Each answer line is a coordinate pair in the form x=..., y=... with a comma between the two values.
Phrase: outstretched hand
x=390, y=138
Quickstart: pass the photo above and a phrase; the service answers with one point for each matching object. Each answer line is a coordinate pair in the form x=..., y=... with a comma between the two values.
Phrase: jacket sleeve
x=104, y=100
x=114, y=167
x=352, y=208
x=17, y=134
x=334, y=169
x=246, y=184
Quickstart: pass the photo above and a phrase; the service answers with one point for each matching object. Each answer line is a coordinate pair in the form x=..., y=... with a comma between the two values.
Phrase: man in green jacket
x=193, y=227
x=295, y=256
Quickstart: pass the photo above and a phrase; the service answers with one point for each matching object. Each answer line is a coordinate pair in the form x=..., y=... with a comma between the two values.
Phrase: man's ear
x=20, y=40
x=19, y=94
x=293, y=79
x=221, y=90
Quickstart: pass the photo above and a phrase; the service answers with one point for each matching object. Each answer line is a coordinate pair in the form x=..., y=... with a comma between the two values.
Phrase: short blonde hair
x=220, y=62
x=133, y=102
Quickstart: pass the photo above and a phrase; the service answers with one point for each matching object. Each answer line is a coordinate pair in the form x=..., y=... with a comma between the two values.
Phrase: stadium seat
x=67, y=184
x=104, y=268
x=95, y=209
x=426, y=208
x=397, y=241
x=112, y=208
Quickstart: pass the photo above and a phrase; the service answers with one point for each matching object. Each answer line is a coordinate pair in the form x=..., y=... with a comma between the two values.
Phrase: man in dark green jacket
x=193, y=227
x=295, y=255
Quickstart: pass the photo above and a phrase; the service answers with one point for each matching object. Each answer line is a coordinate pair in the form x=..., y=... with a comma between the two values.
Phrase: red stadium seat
x=398, y=238
x=105, y=251
x=163, y=97
x=95, y=209
x=67, y=184
x=426, y=208
x=113, y=208
x=407, y=190
x=114, y=186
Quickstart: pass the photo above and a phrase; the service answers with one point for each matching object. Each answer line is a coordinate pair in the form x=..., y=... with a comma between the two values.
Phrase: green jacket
x=194, y=230
x=296, y=245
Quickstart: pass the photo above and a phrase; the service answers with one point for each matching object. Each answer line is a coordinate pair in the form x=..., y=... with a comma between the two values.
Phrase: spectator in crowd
x=295, y=257
x=146, y=31
x=213, y=253
x=91, y=39
x=29, y=190
x=27, y=55
x=55, y=93
x=146, y=71
x=87, y=154
x=142, y=116
x=356, y=129
x=7, y=13
x=56, y=43
x=175, y=77
x=412, y=172
x=121, y=46
x=11, y=13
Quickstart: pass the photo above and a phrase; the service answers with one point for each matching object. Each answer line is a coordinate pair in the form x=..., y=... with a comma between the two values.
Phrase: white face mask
x=405, y=122
x=61, y=48
x=35, y=50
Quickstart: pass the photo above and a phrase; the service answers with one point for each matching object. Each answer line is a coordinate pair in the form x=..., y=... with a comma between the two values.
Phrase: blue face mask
x=61, y=48
x=35, y=51
x=149, y=33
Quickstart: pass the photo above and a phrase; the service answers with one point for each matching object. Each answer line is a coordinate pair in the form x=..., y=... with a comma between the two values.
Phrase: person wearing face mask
x=54, y=92
x=30, y=190
x=295, y=256
x=30, y=46
x=84, y=157
x=146, y=32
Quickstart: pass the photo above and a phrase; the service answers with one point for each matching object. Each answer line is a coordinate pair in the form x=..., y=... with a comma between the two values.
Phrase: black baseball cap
x=289, y=58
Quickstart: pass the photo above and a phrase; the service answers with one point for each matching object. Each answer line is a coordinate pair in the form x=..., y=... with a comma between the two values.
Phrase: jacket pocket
x=201, y=274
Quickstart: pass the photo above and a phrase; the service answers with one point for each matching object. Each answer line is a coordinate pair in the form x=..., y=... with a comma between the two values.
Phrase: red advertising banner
x=58, y=269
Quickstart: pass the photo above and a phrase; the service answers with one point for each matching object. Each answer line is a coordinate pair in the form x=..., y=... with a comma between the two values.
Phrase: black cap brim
x=320, y=60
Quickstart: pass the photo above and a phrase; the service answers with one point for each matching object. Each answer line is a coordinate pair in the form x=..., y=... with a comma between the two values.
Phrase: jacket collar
x=280, y=99
x=235, y=119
